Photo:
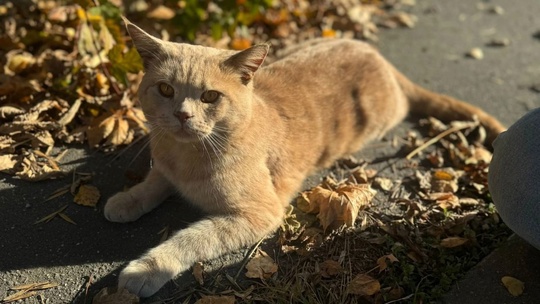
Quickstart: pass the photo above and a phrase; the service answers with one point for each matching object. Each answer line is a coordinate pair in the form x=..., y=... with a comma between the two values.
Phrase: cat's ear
x=147, y=45
x=247, y=62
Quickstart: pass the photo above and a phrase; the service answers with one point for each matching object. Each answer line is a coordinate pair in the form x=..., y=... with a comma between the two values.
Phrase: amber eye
x=166, y=90
x=210, y=96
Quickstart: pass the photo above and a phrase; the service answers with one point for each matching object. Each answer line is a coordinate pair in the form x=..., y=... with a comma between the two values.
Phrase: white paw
x=123, y=207
x=144, y=277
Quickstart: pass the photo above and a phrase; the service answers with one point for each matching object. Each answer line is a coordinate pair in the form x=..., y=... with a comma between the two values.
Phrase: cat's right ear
x=147, y=45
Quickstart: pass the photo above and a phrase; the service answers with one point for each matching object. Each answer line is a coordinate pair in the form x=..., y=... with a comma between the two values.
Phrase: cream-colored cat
x=237, y=140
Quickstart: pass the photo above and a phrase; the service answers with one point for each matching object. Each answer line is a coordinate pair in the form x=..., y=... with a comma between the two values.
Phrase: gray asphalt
x=432, y=54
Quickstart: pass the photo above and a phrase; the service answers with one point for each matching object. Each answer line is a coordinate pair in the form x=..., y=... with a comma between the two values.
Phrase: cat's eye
x=210, y=96
x=165, y=90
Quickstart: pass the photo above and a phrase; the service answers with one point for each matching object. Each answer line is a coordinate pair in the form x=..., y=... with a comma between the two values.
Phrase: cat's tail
x=446, y=108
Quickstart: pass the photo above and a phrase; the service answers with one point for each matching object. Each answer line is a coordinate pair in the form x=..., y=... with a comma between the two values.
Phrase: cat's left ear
x=247, y=62
x=147, y=45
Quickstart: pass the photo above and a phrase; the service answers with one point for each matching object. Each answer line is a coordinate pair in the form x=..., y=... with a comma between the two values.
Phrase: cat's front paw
x=123, y=207
x=144, y=277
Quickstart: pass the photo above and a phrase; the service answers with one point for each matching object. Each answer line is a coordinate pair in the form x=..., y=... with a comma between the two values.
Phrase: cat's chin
x=185, y=137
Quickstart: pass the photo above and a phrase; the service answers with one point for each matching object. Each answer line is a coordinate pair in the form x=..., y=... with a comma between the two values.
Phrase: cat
x=237, y=140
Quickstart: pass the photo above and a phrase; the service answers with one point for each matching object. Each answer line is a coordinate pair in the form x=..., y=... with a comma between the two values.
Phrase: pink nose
x=183, y=116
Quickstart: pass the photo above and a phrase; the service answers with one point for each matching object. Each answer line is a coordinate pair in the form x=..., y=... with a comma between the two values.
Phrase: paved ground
x=432, y=54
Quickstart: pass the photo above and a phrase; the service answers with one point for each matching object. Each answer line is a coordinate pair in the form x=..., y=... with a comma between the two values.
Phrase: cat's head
x=193, y=91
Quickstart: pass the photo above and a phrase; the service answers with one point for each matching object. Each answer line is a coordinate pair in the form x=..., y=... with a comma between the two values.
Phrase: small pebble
x=476, y=53
x=499, y=42
x=497, y=10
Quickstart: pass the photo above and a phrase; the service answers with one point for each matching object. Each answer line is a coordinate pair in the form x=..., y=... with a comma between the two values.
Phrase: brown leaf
x=161, y=13
x=363, y=285
x=330, y=268
x=216, y=300
x=87, y=195
x=261, y=266
x=111, y=295
x=66, y=218
x=383, y=183
x=341, y=207
x=515, y=287
x=453, y=241
x=382, y=261
x=120, y=133
x=198, y=273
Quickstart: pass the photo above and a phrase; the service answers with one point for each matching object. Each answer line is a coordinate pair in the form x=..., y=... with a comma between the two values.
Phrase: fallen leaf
x=330, y=268
x=7, y=161
x=27, y=290
x=51, y=216
x=111, y=295
x=216, y=300
x=382, y=261
x=198, y=273
x=515, y=287
x=453, y=241
x=66, y=218
x=87, y=195
x=364, y=285
x=161, y=13
x=383, y=183
x=240, y=44
x=261, y=266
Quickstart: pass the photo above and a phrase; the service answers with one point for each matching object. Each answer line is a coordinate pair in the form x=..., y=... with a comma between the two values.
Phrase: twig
x=246, y=259
x=436, y=139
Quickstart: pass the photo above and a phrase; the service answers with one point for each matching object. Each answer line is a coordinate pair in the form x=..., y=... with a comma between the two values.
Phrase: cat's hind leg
x=128, y=206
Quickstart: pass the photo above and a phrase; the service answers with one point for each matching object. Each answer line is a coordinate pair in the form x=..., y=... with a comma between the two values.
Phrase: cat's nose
x=183, y=116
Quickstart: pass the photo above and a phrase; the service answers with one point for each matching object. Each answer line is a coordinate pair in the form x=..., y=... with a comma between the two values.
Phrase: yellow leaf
x=261, y=266
x=87, y=195
x=7, y=161
x=240, y=43
x=364, y=285
x=120, y=133
x=442, y=175
x=453, y=241
x=328, y=33
x=515, y=287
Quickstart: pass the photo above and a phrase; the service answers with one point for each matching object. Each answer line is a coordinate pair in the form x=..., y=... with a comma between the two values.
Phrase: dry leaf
x=364, y=285
x=382, y=261
x=111, y=295
x=341, y=207
x=240, y=43
x=330, y=268
x=87, y=195
x=27, y=290
x=7, y=161
x=161, y=13
x=515, y=287
x=383, y=183
x=198, y=273
x=261, y=266
x=216, y=300
x=453, y=241
x=66, y=218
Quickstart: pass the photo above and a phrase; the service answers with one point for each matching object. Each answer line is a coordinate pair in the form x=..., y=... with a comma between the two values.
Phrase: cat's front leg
x=206, y=239
x=142, y=198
